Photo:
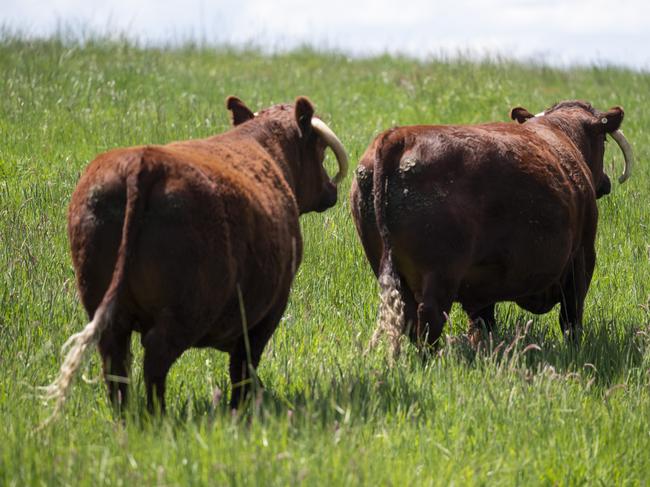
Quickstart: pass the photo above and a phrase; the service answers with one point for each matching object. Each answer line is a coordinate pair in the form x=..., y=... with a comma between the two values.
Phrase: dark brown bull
x=178, y=242
x=484, y=213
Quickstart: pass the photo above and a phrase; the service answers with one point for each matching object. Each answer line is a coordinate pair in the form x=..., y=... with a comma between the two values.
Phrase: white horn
x=622, y=142
x=335, y=144
x=540, y=114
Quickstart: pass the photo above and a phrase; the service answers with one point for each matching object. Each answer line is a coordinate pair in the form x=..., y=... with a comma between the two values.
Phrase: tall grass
x=511, y=414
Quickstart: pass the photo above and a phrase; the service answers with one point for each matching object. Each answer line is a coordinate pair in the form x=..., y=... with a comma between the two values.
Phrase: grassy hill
x=330, y=414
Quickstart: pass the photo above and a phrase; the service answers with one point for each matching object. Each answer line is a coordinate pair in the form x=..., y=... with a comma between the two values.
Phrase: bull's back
x=497, y=218
x=203, y=233
x=214, y=232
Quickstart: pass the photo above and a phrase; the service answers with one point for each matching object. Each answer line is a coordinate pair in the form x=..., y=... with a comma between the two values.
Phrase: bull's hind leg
x=482, y=318
x=574, y=291
x=245, y=355
x=115, y=350
x=170, y=336
x=410, y=311
x=480, y=321
x=437, y=297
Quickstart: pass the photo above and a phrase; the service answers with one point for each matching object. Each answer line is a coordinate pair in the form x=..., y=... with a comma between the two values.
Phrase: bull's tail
x=77, y=346
x=391, y=320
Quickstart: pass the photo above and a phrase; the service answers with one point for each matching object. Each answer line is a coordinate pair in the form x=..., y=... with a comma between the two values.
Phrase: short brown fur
x=172, y=236
x=485, y=213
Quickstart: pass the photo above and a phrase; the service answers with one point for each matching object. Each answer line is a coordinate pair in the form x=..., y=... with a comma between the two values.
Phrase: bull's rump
x=200, y=237
x=495, y=221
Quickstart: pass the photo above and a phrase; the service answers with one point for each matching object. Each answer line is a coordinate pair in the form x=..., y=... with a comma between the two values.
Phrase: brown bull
x=180, y=241
x=484, y=213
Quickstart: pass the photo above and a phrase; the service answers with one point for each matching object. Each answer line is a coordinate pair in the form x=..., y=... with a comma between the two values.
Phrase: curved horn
x=335, y=144
x=622, y=142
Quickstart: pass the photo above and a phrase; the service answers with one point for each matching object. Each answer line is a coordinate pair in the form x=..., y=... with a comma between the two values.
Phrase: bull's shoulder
x=242, y=165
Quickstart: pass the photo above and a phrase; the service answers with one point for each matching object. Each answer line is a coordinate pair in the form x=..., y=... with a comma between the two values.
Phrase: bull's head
x=302, y=138
x=587, y=128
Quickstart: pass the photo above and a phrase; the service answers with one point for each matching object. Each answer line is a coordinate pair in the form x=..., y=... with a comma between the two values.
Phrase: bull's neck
x=281, y=147
x=575, y=132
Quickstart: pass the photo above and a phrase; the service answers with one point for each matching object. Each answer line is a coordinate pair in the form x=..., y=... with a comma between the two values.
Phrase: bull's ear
x=520, y=114
x=612, y=119
x=240, y=112
x=304, y=112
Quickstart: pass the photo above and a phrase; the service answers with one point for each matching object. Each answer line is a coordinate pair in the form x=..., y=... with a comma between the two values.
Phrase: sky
x=559, y=33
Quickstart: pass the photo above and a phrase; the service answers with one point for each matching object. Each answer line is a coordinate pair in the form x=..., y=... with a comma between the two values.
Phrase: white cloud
x=568, y=30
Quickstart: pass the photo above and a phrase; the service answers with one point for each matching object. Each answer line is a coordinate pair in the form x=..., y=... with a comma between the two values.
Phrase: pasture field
x=331, y=415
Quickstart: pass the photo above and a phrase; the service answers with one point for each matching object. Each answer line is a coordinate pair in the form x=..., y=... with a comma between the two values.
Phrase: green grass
x=330, y=414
